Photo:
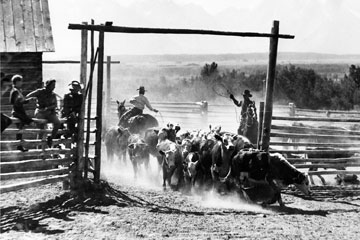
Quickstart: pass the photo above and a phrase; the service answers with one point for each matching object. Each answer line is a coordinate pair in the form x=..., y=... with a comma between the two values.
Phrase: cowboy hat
x=74, y=84
x=247, y=93
x=141, y=89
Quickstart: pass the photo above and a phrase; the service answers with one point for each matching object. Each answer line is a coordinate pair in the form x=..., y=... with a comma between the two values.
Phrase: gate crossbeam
x=121, y=29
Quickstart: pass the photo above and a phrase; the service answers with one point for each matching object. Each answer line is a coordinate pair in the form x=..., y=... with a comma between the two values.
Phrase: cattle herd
x=208, y=160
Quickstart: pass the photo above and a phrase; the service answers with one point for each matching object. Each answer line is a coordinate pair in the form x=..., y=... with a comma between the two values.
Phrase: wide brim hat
x=50, y=81
x=247, y=93
x=141, y=89
x=75, y=84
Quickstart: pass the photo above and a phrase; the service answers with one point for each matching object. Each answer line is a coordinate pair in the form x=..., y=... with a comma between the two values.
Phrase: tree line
x=304, y=87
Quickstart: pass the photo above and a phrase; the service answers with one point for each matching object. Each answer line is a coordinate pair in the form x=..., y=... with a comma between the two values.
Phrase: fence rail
x=333, y=145
x=47, y=165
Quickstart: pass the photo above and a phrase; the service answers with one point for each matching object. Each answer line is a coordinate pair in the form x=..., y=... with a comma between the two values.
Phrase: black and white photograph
x=180, y=119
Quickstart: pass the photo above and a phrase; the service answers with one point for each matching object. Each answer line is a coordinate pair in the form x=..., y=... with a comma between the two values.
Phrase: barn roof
x=25, y=26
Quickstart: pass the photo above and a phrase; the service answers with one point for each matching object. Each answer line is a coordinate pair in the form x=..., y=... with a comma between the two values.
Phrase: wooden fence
x=37, y=166
x=189, y=115
x=318, y=139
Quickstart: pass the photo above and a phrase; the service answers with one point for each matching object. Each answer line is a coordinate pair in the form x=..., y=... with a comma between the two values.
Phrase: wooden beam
x=33, y=183
x=330, y=172
x=9, y=156
x=270, y=82
x=15, y=175
x=316, y=119
x=318, y=152
x=309, y=144
x=317, y=136
x=74, y=62
x=296, y=129
x=329, y=165
x=33, y=164
x=122, y=29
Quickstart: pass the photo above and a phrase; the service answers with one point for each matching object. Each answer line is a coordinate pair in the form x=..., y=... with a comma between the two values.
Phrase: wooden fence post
x=270, y=79
x=204, y=108
x=292, y=110
x=99, y=106
x=83, y=68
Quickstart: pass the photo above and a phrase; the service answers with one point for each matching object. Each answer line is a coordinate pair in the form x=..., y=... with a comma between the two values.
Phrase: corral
x=130, y=211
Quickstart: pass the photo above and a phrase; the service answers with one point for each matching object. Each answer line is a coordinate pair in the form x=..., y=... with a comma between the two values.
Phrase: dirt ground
x=141, y=209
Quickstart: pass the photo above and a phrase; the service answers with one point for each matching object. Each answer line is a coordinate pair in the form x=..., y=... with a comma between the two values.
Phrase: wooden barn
x=25, y=33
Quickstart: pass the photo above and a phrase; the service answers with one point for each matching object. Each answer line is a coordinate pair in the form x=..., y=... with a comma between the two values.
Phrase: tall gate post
x=83, y=68
x=270, y=79
x=99, y=106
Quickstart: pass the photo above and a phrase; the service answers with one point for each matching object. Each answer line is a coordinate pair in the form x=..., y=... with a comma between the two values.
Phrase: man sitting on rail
x=46, y=107
x=18, y=100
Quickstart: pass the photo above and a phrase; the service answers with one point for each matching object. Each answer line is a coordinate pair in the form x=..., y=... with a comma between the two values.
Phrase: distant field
x=162, y=71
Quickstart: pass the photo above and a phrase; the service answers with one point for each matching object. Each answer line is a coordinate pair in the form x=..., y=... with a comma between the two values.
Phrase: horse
x=250, y=124
x=137, y=124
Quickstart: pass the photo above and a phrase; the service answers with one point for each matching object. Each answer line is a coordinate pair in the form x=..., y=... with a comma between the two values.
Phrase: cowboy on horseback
x=244, y=107
x=139, y=102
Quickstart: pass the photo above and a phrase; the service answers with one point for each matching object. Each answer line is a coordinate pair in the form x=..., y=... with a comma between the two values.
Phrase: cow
x=138, y=152
x=190, y=168
x=221, y=156
x=116, y=142
x=172, y=162
x=257, y=168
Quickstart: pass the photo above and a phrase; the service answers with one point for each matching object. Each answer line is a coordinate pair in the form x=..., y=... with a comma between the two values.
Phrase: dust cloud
x=151, y=180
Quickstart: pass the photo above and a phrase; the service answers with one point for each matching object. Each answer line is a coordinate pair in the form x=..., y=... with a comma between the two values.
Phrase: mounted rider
x=244, y=106
x=139, y=102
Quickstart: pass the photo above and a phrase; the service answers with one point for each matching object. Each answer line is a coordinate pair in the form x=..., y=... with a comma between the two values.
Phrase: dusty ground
x=125, y=209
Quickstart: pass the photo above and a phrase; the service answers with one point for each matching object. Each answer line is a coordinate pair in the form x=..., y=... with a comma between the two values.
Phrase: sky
x=323, y=26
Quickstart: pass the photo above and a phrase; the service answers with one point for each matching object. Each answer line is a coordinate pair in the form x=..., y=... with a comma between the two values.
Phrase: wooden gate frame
x=270, y=79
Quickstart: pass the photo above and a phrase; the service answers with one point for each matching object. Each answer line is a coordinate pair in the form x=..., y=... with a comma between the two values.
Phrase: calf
x=116, y=142
x=191, y=163
x=172, y=162
x=138, y=152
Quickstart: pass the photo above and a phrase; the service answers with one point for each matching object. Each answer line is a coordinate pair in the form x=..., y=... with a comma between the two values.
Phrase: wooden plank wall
x=27, y=26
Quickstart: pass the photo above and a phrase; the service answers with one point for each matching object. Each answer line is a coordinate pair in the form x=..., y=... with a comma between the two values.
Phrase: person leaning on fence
x=17, y=100
x=71, y=108
x=139, y=102
x=5, y=86
x=46, y=107
x=244, y=105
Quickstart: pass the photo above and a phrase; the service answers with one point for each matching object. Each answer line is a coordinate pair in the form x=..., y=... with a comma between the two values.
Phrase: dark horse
x=250, y=124
x=136, y=124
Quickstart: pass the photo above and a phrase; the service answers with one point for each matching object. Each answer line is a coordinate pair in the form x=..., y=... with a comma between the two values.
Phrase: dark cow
x=116, y=142
x=172, y=164
x=221, y=155
x=257, y=168
x=138, y=152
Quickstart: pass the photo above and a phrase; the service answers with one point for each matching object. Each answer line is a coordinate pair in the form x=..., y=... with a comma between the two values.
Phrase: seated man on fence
x=71, y=109
x=46, y=107
x=18, y=100
x=139, y=102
